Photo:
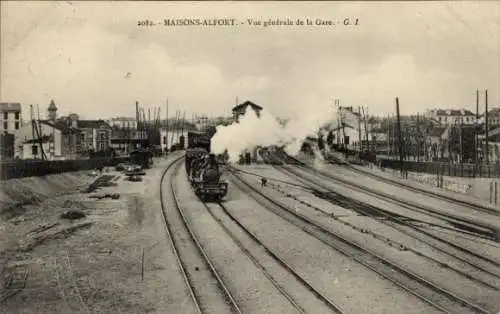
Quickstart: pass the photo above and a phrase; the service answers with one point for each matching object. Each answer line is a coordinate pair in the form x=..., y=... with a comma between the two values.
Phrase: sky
x=93, y=58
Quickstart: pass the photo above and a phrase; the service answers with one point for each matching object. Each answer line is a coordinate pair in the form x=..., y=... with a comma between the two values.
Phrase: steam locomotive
x=203, y=169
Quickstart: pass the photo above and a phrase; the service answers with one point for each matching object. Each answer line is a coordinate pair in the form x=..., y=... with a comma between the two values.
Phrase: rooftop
x=10, y=106
x=246, y=104
x=452, y=112
x=59, y=125
x=122, y=119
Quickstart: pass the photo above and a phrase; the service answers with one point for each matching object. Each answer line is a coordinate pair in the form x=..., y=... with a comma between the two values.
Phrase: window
x=6, y=116
x=5, y=125
x=17, y=125
x=17, y=116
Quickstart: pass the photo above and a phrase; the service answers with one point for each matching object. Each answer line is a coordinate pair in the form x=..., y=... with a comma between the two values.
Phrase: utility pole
x=166, y=130
x=360, y=140
x=388, y=135
x=418, y=137
x=366, y=131
x=34, y=148
x=40, y=134
x=399, y=135
x=487, y=151
x=461, y=140
x=478, y=144
x=137, y=121
x=338, y=127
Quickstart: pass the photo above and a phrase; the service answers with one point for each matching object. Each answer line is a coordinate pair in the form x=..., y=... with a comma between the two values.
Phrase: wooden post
x=166, y=130
x=478, y=145
x=491, y=192
x=388, y=135
x=486, y=149
x=418, y=138
x=496, y=191
x=360, y=139
x=399, y=135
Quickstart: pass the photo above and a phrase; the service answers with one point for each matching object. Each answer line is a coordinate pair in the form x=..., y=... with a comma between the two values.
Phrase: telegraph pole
x=418, y=137
x=166, y=130
x=478, y=144
x=366, y=130
x=399, y=135
x=487, y=152
x=359, y=131
x=388, y=135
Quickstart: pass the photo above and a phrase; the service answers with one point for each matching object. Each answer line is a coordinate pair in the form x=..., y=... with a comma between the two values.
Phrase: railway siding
x=344, y=280
x=252, y=290
x=415, y=197
x=430, y=270
x=202, y=289
x=359, y=194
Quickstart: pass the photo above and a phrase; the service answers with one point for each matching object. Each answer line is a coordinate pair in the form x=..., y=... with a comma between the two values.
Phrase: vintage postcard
x=250, y=157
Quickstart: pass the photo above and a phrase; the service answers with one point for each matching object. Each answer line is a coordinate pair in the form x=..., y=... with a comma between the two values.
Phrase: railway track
x=221, y=213
x=399, y=223
x=482, y=228
x=407, y=226
x=187, y=247
x=402, y=247
x=429, y=292
x=460, y=202
x=395, y=221
x=446, y=198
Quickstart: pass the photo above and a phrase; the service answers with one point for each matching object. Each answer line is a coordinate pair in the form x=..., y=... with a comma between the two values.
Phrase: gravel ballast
x=352, y=286
x=430, y=270
x=251, y=289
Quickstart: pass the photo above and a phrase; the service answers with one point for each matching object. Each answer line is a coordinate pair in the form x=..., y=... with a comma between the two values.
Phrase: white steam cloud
x=252, y=131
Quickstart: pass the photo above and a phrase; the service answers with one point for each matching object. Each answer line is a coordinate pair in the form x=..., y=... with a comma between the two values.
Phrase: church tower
x=52, y=111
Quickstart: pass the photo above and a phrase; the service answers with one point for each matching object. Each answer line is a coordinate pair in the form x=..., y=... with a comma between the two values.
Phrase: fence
x=445, y=169
x=24, y=168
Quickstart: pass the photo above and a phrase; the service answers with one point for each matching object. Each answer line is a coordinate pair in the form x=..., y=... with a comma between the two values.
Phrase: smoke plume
x=252, y=131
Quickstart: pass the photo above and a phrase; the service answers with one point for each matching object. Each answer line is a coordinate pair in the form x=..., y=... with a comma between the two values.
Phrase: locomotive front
x=208, y=182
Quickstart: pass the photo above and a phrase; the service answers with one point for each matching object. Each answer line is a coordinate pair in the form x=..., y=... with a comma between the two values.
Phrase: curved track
x=330, y=304
x=329, y=215
x=481, y=228
x=396, y=221
x=446, y=198
x=436, y=296
x=179, y=247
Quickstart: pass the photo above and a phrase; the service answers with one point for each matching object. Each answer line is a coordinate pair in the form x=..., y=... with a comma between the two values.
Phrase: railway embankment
x=112, y=258
x=17, y=194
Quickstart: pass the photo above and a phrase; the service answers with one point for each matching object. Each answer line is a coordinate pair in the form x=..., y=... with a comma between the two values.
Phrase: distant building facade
x=53, y=139
x=450, y=116
x=10, y=117
x=123, y=123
